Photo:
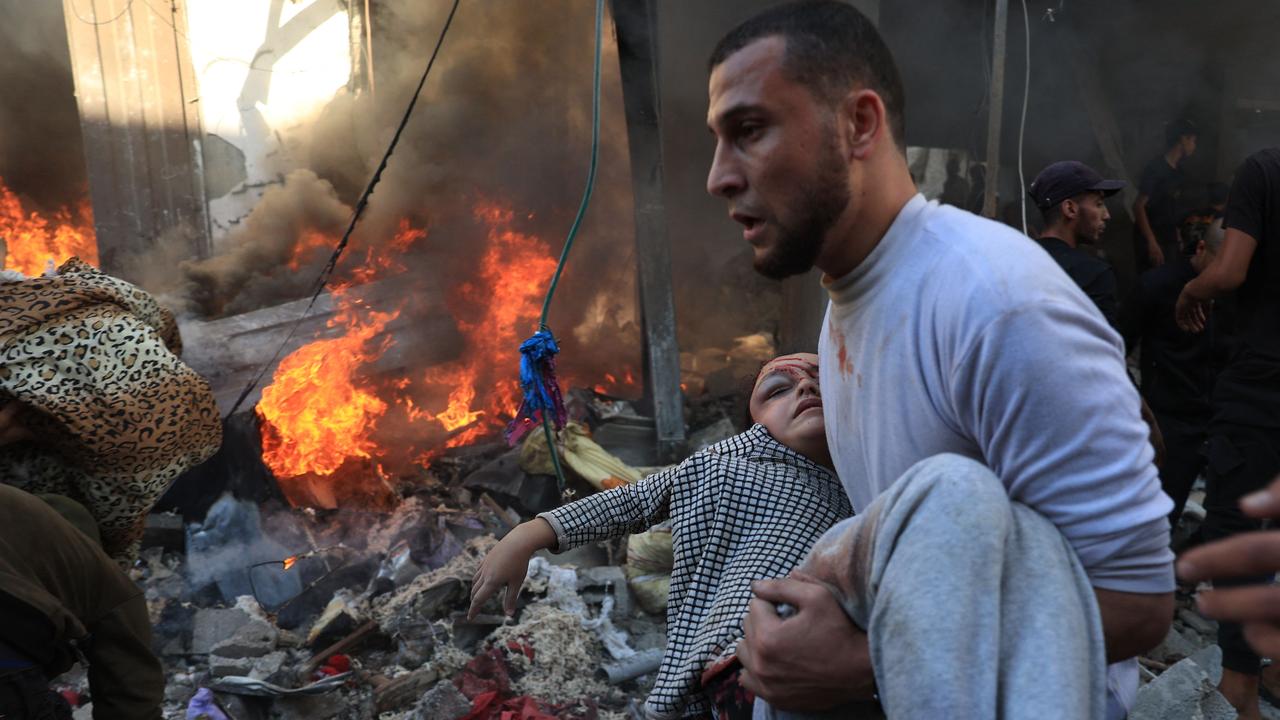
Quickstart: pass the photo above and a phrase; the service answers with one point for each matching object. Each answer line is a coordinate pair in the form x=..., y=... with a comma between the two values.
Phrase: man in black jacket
x=1072, y=198
x=1178, y=368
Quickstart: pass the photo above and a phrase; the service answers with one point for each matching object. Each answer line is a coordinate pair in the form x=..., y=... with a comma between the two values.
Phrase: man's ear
x=862, y=122
x=1070, y=210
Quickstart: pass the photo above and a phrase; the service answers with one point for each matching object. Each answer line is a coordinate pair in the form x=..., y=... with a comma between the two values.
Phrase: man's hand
x=1257, y=607
x=11, y=430
x=1191, y=312
x=507, y=564
x=815, y=659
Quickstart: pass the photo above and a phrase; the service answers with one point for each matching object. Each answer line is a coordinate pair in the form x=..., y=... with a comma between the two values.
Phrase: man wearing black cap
x=1155, y=212
x=1072, y=198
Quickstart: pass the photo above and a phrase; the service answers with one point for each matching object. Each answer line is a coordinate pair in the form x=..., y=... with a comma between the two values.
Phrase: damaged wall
x=265, y=70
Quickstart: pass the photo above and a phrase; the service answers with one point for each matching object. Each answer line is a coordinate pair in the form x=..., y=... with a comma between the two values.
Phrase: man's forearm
x=1133, y=623
x=1144, y=223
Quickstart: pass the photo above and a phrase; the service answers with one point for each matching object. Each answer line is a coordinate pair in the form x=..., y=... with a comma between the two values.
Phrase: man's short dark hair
x=830, y=48
x=1051, y=214
x=1178, y=129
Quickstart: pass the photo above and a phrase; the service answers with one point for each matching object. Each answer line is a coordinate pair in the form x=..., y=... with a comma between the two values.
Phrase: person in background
x=1244, y=432
x=1177, y=368
x=1159, y=189
x=1072, y=198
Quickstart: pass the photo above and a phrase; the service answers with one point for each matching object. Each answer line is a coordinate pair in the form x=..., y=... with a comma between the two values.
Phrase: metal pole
x=636, y=25
x=995, y=112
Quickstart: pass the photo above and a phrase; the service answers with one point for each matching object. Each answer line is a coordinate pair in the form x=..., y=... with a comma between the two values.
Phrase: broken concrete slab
x=442, y=702
x=227, y=667
x=213, y=625
x=252, y=640
x=1183, y=691
x=1173, y=648
x=1210, y=660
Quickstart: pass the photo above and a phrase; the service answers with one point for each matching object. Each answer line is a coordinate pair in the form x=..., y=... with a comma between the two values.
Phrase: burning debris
x=31, y=242
x=362, y=613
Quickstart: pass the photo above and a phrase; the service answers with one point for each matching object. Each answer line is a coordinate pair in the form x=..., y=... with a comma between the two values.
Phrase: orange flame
x=495, y=311
x=315, y=414
x=34, y=240
x=290, y=561
x=309, y=243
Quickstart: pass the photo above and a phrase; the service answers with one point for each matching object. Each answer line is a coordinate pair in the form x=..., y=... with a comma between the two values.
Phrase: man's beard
x=820, y=203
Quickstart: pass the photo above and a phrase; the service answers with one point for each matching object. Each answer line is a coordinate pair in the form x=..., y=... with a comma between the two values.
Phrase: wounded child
x=745, y=509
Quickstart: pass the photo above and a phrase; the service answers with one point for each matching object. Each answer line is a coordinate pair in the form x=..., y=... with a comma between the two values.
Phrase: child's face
x=787, y=402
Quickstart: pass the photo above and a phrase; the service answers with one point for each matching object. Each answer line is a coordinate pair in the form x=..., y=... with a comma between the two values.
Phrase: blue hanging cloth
x=541, y=389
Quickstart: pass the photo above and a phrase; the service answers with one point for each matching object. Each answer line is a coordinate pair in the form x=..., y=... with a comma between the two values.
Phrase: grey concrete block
x=213, y=625
x=1209, y=659
x=442, y=702
x=1173, y=648
x=1183, y=691
x=225, y=667
x=252, y=640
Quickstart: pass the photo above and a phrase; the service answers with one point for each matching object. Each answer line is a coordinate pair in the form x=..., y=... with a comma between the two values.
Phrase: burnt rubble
x=265, y=611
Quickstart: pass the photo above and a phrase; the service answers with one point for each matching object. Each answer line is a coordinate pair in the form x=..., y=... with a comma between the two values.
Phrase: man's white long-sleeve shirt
x=958, y=334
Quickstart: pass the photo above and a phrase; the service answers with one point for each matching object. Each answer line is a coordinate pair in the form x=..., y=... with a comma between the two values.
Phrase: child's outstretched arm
x=507, y=564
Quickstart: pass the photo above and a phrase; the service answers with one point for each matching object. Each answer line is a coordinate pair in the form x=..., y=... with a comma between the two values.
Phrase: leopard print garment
x=116, y=415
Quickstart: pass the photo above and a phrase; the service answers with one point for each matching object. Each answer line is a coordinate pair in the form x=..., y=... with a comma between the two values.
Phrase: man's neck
x=857, y=234
x=1066, y=235
x=1173, y=156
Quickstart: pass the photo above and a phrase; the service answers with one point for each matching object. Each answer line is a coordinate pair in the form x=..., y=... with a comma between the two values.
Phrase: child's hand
x=508, y=563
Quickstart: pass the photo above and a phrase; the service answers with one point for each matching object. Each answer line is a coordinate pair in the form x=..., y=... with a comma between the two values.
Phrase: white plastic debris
x=562, y=592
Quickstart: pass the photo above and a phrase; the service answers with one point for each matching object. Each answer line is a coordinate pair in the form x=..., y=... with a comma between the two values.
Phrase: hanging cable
x=1022, y=123
x=323, y=279
x=537, y=363
x=98, y=23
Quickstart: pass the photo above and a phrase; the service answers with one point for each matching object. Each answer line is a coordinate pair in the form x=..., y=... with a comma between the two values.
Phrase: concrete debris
x=340, y=618
x=442, y=702
x=369, y=609
x=722, y=429
x=1182, y=691
x=212, y=625
x=1173, y=648
x=508, y=483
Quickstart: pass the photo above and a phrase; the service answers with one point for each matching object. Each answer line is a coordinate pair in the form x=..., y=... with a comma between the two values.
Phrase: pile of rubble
x=1180, y=676
x=379, y=630
x=265, y=611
